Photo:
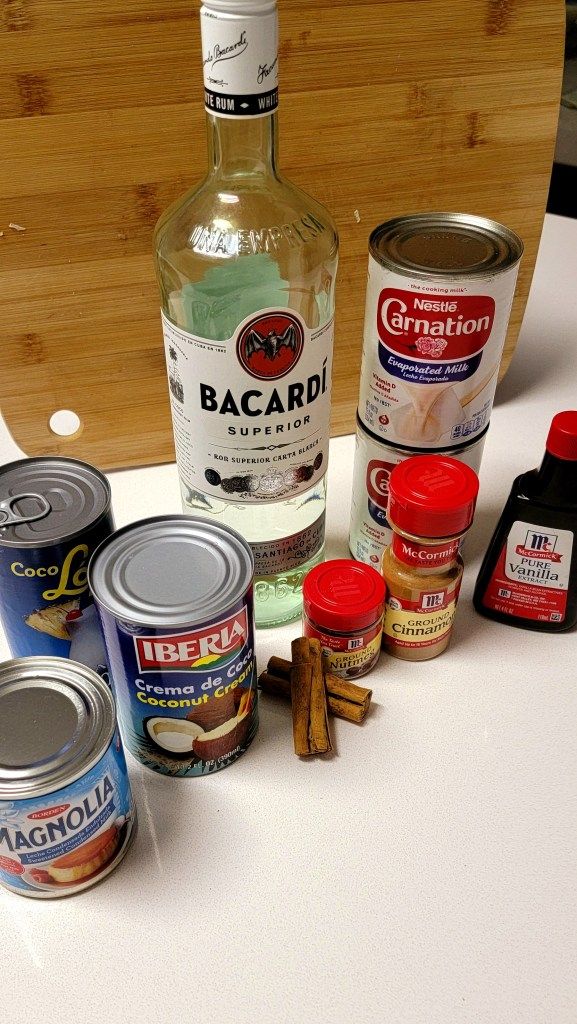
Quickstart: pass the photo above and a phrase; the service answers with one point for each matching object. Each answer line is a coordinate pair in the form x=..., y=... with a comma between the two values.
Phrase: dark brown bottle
x=529, y=574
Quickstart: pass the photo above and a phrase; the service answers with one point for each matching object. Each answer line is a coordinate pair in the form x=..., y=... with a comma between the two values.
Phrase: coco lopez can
x=54, y=512
x=439, y=295
x=174, y=595
x=66, y=811
x=370, y=531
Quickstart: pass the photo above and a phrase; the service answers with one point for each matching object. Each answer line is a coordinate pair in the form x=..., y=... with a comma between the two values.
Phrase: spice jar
x=343, y=605
x=431, y=506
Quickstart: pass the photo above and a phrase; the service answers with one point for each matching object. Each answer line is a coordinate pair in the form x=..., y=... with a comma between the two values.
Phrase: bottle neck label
x=423, y=555
x=240, y=63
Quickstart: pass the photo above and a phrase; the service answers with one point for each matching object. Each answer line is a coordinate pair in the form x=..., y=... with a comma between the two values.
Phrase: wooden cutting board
x=386, y=108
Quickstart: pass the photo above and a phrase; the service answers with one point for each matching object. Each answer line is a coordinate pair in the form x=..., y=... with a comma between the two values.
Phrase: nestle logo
x=194, y=651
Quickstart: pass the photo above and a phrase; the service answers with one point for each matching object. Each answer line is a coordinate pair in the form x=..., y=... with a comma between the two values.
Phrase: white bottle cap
x=241, y=7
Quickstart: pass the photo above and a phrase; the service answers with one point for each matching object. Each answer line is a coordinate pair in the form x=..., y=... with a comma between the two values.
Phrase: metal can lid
x=49, y=499
x=57, y=719
x=445, y=245
x=171, y=571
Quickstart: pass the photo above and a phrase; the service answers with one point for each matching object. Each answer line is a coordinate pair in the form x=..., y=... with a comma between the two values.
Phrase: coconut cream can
x=370, y=532
x=175, y=600
x=439, y=294
x=66, y=811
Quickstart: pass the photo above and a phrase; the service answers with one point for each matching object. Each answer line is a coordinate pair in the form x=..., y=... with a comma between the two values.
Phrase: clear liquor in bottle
x=246, y=264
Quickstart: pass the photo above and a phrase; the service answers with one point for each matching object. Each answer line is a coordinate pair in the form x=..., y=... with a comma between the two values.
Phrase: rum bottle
x=246, y=265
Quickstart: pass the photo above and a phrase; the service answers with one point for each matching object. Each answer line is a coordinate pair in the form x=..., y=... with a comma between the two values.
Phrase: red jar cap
x=432, y=496
x=562, y=437
x=343, y=594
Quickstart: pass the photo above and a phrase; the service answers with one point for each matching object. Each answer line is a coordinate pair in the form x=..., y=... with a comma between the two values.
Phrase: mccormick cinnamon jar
x=343, y=605
x=431, y=505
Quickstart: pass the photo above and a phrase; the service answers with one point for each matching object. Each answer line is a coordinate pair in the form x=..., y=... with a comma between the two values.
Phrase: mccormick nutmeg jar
x=431, y=505
x=343, y=605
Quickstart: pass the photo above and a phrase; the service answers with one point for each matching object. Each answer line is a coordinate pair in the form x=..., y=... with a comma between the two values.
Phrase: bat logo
x=270, y=345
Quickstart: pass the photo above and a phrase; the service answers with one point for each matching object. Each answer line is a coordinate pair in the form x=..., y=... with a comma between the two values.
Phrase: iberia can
x=54, y=512
x=370, y=532
x=439, y=294
x=66, y=811
x=175, y=598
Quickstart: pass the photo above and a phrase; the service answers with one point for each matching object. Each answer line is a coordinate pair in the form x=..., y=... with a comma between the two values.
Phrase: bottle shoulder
x=531, y=496
x=245, y=215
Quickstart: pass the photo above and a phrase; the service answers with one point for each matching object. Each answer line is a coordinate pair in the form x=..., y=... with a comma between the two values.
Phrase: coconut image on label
x=173, y=734
x=185, y=737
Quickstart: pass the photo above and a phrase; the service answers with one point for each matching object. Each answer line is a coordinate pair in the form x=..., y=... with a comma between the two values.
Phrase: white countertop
x=426, y=874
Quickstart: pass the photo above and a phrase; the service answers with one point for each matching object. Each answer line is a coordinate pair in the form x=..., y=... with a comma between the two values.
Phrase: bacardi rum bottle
x=246, y=264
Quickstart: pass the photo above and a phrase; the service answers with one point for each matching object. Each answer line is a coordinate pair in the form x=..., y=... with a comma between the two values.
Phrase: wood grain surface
x=386, y=108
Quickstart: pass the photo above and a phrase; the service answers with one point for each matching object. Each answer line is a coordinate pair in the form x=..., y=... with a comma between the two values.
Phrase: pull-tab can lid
x=46, y=500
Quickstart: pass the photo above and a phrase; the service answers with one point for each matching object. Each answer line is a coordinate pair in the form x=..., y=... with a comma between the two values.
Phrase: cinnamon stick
x=338, y=706
x=308, y=698
x=354, y=701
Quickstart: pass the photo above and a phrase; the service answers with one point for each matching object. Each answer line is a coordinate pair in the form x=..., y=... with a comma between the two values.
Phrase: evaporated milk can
x=66, y=810
x=370, y=531
x=175, y=598
x=54, y=512
x=439, y=294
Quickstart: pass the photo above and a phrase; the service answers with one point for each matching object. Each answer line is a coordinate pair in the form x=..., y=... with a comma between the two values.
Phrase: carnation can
x=66, y=811
x=439, y=294
x=175, y=598
x=370, y=532
x=54, y=512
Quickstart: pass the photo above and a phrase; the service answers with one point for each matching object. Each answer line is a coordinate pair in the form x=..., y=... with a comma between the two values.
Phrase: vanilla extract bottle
x=246, y=264
x=529, y=573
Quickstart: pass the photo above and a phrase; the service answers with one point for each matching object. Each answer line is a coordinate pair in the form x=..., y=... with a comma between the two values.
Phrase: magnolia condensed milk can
x=439, y=294
x=66, y=810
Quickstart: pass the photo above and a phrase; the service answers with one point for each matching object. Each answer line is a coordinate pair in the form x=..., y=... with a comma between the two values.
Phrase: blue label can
x=175, y=599
x=54, y=512
x=66, y=811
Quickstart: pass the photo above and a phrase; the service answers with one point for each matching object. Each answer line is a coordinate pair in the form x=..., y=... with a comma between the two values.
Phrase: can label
x=370, y=532
x=348, y=656
x=431, y=354
x=187, y=699
x=46, y=606
x=62, y=842
x=531, y=577
x=251, y=414
x=240, y=62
